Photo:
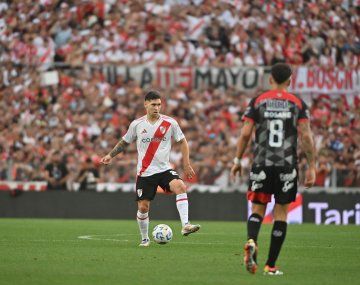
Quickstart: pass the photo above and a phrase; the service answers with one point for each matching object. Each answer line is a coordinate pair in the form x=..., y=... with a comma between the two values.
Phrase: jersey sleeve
x=177, y=133
x=304, y=114
x=130, y=135
x=250, y=113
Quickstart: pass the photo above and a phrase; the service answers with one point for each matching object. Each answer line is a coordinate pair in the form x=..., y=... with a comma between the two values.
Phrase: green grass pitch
x=40, y=251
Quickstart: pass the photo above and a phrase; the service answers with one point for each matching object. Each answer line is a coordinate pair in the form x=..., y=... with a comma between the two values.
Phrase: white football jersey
x=153, y=142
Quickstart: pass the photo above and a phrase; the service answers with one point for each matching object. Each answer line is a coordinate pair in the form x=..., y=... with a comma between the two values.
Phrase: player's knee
x=177, y=187
x=258, y=209
x=181, y=188
x=280, y=212
x=143, y=208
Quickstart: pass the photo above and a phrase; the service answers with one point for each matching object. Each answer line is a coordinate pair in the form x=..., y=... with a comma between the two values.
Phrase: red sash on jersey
x=154, y=145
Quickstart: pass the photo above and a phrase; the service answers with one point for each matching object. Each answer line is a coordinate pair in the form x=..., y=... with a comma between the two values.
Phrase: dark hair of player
x=152, y=95
x=281, y=72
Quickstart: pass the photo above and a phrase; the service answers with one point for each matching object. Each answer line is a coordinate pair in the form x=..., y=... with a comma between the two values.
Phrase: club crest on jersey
x=162, y=129
x=139, y=192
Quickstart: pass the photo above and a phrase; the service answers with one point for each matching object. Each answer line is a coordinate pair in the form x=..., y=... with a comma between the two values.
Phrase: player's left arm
x=184, y=148
x=245, y=136
x=308, y=146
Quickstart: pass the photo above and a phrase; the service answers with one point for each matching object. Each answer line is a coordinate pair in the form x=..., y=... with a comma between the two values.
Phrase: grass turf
x=40, y=251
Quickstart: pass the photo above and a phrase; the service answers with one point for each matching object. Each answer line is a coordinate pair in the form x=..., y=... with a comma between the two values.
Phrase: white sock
x=143, y=222
x=182, y=205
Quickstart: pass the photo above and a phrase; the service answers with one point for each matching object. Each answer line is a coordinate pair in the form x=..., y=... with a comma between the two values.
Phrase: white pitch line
x=41, y=240
x=96, y=237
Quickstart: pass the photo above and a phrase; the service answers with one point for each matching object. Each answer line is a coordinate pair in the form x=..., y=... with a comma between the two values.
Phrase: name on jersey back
x=277, y=109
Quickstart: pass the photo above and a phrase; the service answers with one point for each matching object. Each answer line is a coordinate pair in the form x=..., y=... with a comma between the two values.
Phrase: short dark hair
x=152, y=95
x=281, y=72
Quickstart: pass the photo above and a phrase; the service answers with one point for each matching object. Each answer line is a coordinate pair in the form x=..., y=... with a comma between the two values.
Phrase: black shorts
x=278, y=181
x=146, y=187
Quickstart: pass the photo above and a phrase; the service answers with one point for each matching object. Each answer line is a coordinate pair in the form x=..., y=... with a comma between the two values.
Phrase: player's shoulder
x=260, y=96
x=296, y=99
x=169, y=119
x=138, y=120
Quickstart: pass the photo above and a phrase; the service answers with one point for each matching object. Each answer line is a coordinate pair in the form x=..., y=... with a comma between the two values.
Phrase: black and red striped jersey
x=276, y=115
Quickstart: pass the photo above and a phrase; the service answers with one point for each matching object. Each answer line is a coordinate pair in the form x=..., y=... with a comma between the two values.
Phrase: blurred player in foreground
x=276, y=116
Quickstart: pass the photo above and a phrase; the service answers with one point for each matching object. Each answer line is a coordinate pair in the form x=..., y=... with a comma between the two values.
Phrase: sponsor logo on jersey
x=277, y=115
x=287, y=186
x=258, y=177
x=288, y=176
x=277, y=105
x=174, y=173
x=148, y=140
x=255, y=186
x=139, y=192
x=144, y=132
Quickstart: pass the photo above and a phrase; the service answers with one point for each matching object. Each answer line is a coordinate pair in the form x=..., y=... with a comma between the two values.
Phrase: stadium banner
x=326, y=209
x=319, y=208
x=241, y=78
x=246, y=79
x=318, y=80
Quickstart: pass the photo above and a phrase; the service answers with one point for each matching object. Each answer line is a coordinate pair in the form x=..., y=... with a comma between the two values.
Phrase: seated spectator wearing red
x=322, y=171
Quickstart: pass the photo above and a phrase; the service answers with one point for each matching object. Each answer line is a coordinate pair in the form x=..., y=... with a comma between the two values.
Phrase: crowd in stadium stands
x=58, y=133
x=248, y=32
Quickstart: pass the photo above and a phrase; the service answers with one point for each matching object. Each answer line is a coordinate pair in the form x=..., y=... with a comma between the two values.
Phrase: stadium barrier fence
x=317, y=207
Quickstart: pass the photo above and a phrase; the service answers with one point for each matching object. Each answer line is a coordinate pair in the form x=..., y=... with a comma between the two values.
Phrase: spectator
x=84, y=114
x=56, y=172
x=322, y=172
x=88, y=176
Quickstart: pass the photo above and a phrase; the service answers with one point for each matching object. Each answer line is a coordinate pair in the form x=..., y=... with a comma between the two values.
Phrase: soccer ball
x=162, y=234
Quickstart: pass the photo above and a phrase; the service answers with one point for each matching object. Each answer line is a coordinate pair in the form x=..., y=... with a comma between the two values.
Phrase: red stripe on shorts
x=263, y=198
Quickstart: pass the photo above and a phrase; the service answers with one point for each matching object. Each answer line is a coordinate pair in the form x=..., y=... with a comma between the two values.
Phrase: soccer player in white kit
x=153, y=133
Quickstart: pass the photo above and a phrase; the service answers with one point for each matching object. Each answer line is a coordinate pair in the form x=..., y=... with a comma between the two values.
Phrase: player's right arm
x=120, y=147
x=129, y=137
x=249, y=119
x=308, y=146
x=243, y=141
